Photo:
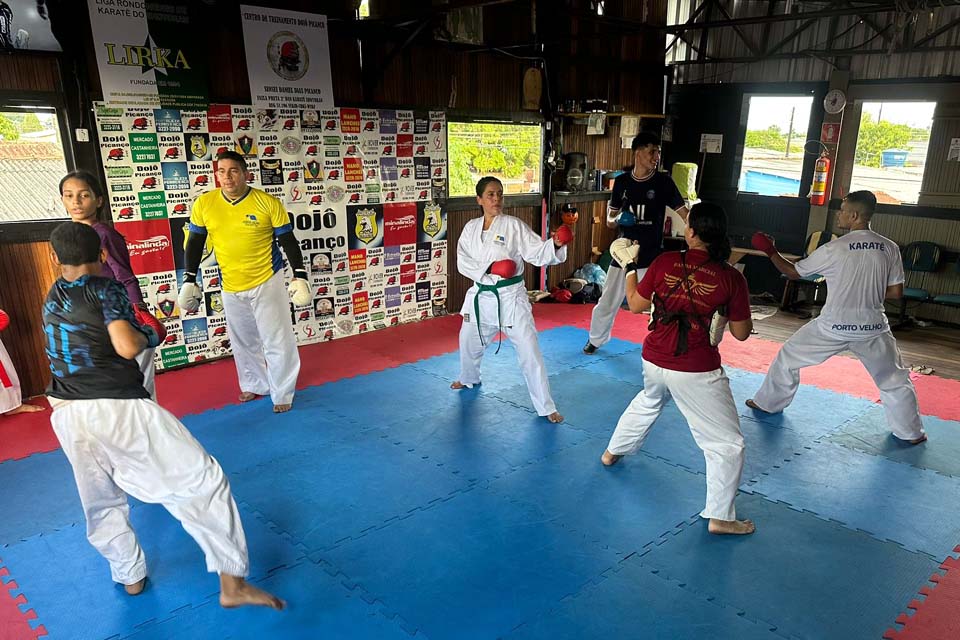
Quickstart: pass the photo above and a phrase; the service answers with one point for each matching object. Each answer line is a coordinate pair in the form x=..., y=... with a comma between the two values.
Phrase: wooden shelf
x=564, y=197
x=612, y=114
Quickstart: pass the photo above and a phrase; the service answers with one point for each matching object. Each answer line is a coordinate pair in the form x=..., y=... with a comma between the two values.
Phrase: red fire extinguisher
x=821, y=176
x=668, y=226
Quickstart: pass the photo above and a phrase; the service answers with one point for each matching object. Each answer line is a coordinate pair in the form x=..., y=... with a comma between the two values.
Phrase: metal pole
x=790, y=132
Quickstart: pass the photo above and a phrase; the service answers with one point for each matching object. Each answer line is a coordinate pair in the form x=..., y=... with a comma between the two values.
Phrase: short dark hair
x=236, y=157
x=83, y=176
x=75, y=243
x=482, y=185
x=865, y=202
x=644, y=138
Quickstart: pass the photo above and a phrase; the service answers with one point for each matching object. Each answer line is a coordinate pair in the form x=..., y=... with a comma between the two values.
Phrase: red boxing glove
x=763, y=242
x=503, y=268
x=4, y=320
x=563, y=235
x=147, y=319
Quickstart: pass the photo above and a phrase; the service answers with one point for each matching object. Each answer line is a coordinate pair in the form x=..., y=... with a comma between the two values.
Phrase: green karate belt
x=492, y=288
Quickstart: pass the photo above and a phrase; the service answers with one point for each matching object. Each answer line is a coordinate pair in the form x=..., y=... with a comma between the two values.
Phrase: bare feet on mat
x=753, y=405
x=237, y=592
x=732, y=527
x=24, y=408
x=136, y=588
x=555, y=417
x=609, y=459
x=457, y=385
x=922, y=438
x=282, y=408
x=246, y=396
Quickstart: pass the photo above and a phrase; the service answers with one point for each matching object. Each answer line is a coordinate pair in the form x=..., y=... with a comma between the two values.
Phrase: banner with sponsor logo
x=150, y=54
x=373, y=238
x=288, y=58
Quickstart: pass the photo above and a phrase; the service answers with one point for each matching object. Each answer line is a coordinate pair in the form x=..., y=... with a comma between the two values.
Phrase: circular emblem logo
x=651, y=194
x=335, y=193
x=290, y=145
x=288, y=55
x=345, y=325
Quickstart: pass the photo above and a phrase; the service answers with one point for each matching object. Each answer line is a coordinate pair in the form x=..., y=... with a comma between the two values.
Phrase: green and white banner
x=150, y=54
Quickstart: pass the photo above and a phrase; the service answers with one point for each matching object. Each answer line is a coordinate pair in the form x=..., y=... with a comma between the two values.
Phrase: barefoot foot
x=609, y=459
x=457, y=385
x=753, y=405
x=24, y=408
x=733, y=527
x=136, y=588
x=282, y=408
x=555, y=417
x=922, y=438
x=237, y=592
x=246, y=396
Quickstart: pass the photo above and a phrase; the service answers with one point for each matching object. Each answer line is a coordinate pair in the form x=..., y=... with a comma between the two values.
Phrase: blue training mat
x=485, y=439
x=39, y=494
x=632, y=601
x=475, y=566
x=318, y=606
x=807, y=577
x=318, y=497
x=624, y=507
x=68, y=583
x=869, y=433
x=913, y=502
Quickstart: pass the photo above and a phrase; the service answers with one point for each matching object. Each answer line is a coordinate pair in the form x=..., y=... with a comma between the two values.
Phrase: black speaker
x=575, y=172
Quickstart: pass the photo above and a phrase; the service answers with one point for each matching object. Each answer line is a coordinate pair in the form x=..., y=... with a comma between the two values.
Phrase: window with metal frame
x=32, y=162
x=508, y=151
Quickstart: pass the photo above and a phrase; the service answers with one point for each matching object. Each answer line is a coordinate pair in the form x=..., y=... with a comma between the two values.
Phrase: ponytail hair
x=709, y=223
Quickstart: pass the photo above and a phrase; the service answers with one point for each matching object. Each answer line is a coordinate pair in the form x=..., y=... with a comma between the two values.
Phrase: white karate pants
x=879, y=355
x=706, y=402
x=605, y=311
x=138, y=447
x=262, y=338
x=523, y=335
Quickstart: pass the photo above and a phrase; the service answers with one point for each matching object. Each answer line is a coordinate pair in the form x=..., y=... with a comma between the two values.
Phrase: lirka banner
x=361, y=186
x=288, y=59
x=150, y=54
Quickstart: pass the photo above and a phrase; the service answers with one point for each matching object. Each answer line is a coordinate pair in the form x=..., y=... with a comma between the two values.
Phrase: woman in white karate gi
x=491, y=252
x=10, y=401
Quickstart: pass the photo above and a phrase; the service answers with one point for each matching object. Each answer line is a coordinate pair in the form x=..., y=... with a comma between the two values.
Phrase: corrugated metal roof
x=29, y=189
x=842, y=32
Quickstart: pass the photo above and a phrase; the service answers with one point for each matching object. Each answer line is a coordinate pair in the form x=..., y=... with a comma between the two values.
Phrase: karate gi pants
x=605, y=311
x=706, y=402
x=879, y=355
x=523, y=335
x=145, y=362
x=261, y=336
x=138, y=447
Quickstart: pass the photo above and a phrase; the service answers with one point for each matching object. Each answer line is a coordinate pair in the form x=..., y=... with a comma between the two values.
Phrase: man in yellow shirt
x=244, y=226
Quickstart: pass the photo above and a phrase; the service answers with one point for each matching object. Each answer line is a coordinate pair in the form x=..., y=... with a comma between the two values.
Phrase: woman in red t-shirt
x=681, y=359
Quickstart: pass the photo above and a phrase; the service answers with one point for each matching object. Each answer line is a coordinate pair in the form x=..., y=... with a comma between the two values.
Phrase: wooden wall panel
x=29, y=72
x=26, y=276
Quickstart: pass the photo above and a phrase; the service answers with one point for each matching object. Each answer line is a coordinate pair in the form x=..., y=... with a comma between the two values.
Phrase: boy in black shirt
x=638, y=207
x=117, y=439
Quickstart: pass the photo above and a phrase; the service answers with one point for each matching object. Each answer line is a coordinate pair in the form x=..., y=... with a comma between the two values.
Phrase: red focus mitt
x=763, y=242
x=504, y=268
x=4, y=320
x=147, y=319
x=563, y=235
x=561, y=295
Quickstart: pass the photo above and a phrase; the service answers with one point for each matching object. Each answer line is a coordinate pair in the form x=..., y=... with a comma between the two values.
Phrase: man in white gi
x=638, y=207
x=244, y=227
x=862, y=269
x=491, y=252
x=119, y=440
